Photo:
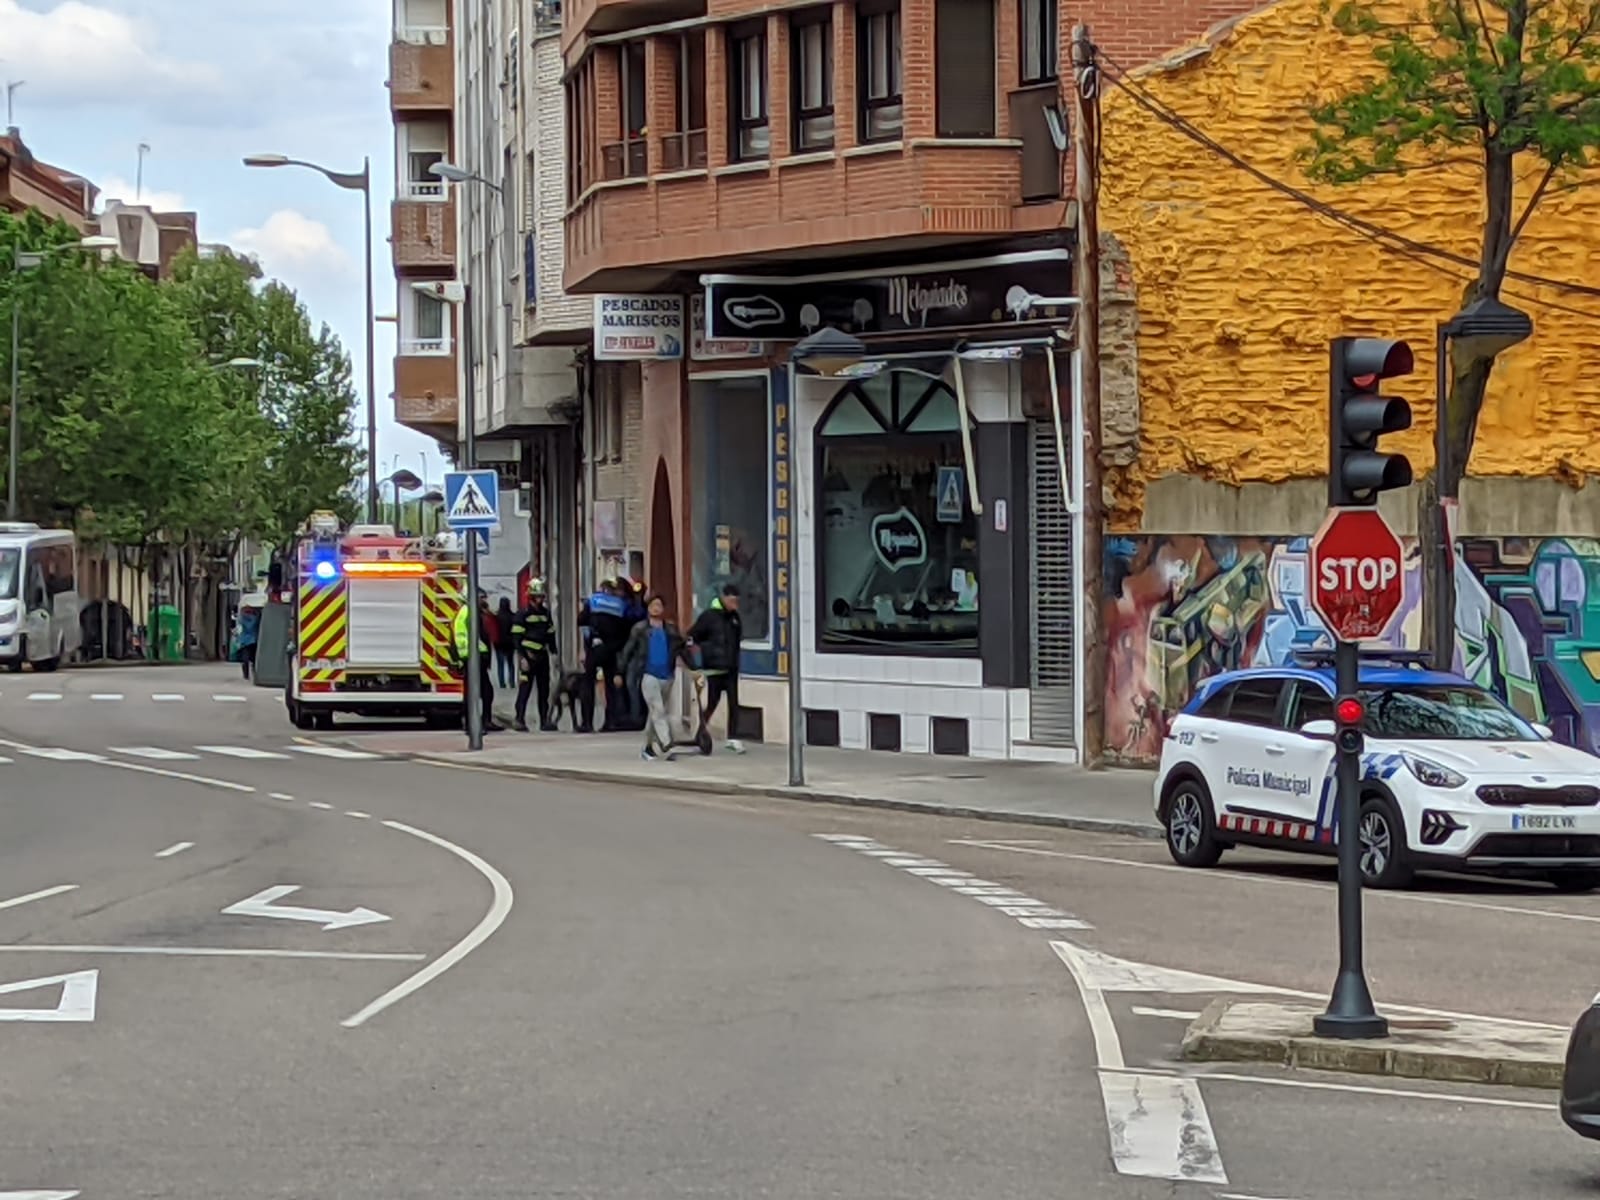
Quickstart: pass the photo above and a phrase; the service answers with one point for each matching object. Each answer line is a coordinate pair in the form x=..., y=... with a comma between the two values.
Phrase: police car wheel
x=1191, y=832
x=1574, y=881
x=1383, y=845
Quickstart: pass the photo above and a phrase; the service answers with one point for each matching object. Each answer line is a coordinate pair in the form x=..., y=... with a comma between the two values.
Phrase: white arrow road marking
x=1158, y=1123
x=45, y=894
x=77, y=998
x=262, y=905
x=38, y=1195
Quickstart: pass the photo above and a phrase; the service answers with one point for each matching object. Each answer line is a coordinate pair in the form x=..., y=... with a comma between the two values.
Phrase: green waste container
x=167, y=626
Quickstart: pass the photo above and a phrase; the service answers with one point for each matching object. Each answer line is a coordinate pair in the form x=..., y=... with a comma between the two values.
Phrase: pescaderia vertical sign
x=633, y=327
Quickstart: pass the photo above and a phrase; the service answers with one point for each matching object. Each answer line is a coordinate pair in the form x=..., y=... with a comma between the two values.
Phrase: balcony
x=579, y=17
x=423, y=232
x=425, y=388
x=421, y=70
x=626, y=233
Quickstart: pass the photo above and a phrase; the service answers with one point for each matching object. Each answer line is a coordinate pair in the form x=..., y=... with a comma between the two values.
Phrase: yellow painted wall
x=1240, y=287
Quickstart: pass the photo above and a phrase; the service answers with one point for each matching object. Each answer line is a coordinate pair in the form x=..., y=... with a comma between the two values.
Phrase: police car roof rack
x=1422, y=659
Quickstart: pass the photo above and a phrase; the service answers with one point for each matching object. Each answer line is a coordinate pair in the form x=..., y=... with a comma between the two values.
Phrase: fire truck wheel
x=323, y=721
x=299, y=717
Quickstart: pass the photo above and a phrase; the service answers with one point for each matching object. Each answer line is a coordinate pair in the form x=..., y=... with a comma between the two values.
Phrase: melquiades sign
x=985, y=291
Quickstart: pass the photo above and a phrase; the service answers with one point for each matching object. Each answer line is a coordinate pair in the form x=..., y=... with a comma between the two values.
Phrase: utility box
x=272, y=646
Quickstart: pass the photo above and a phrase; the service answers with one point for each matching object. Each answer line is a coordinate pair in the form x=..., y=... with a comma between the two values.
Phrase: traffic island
x=1457, y=1050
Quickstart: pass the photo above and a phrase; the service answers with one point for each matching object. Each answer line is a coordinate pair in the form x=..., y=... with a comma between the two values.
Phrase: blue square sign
x=471, y=499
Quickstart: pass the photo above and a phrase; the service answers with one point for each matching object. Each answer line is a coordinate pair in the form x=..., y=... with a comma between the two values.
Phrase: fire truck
x=371, y=625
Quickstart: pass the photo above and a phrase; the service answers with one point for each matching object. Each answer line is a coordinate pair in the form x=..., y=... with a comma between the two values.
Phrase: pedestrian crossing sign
x=471, y=499
x=950, y=495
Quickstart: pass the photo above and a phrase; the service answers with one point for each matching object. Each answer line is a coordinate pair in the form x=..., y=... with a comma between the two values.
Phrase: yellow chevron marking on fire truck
x=324, y=625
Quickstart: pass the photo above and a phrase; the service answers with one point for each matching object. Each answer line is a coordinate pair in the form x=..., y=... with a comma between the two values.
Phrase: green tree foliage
x=1510, y=87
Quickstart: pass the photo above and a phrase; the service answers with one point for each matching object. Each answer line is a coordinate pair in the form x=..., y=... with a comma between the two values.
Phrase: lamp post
x=351, y=181
x=25, y=260
x=1484, y=328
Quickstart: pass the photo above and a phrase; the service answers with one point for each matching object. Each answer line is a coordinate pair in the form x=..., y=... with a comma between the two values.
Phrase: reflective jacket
x=533, y=631
x=463, y=634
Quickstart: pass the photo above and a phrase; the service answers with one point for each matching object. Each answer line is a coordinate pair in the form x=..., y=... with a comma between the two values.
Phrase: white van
x=38, y=596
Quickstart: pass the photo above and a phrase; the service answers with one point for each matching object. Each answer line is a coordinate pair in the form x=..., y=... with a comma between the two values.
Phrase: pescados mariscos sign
x=957, y=295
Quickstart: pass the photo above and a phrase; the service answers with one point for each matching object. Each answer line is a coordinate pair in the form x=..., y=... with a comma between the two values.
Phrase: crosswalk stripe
x=44, y=695
x=229, y=699
x=155, y=752
x=60, y=755
x=240, y=752
x=105, y=696
x=167, y=698
x=332, y=752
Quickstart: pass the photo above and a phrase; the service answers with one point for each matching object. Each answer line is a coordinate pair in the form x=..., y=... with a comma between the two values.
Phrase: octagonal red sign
x=1357, y=573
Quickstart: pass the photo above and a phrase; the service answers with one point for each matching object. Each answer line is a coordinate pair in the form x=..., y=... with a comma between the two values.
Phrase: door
x=1052, y=692
x=36, y=609
x=1307, y=762
x=1247, y=757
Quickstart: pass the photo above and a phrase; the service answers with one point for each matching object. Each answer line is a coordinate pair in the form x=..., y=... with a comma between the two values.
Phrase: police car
x=1451, y=778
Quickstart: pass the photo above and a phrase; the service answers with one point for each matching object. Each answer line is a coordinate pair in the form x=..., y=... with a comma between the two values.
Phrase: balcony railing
x=683, y=151
x=422, y=189
x=425, y=347
x=624, y=160
x=423, y=35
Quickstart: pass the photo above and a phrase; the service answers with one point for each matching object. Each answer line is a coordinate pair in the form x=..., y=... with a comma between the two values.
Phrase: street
x=256, y=966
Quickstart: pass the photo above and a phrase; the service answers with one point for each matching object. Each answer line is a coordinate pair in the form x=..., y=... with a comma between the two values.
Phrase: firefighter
x=533, y=639
x=463, y=645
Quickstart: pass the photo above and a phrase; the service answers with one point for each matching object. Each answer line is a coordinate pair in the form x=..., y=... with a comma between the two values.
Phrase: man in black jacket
x=605, y=615
x=717, y=633
x=533, y=640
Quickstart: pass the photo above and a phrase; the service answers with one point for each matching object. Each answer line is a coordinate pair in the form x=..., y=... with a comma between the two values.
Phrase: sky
x=204, y=83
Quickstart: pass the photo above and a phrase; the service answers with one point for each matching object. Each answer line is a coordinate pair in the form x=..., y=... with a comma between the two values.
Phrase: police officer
x=533, y=640
x=462, y=629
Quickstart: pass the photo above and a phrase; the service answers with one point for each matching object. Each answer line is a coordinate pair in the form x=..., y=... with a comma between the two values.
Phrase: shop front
x=926, y=460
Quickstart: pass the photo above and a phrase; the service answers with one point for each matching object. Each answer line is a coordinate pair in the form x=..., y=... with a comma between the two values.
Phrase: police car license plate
x=1536, y=821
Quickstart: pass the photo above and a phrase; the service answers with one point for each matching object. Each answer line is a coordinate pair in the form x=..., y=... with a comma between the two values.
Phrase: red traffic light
x=1349, y=711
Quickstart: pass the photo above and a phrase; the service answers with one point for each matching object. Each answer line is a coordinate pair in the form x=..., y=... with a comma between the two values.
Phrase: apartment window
x=878, y=50
x=422, y=144
x=430, y=325
x=811, y=46
x=1040, y=48
x=747, y=77
x=632, y=76
x=964, y=68
x=685, y=149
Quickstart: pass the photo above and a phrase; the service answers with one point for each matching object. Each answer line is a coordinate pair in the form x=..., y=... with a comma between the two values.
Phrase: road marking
x=281, y=796
x=44, y=695
x=175, y=848
x=156, y=752
x=106, y=696
x=240, y=752
x=77, y=998
x=4, y=761
x=332, y=752
x=45, y=894
x=1318, y=1085
x=167, y=698
x=62, y=755
x=216, y=952
x=1242, y=877
x=229, y=699
x=264, y=904
x=36, y=1195
x=1170, y=1014
x=1243, y=1196
x=358, y=815
x=499, y=909
x=1157, y=1130
x=320, y=804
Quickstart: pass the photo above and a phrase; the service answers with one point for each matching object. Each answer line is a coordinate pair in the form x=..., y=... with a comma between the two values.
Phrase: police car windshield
x=1442, y=712
x=10, y=561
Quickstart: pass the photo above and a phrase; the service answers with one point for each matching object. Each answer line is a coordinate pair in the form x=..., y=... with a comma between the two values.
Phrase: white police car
x=1451, y=778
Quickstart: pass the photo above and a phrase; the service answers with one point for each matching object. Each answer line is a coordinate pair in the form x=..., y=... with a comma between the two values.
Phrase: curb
x=717, y=787
x=1203, y=1042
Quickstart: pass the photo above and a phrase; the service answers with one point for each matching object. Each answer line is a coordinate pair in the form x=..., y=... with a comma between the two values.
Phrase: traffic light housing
x=1358, y=416
x=1348, y=713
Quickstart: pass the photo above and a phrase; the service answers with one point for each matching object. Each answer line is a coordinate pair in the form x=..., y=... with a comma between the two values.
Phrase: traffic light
x=1349, y=712
x=1359, y=416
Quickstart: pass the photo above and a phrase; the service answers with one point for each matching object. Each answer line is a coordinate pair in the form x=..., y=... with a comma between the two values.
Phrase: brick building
x=742, y=177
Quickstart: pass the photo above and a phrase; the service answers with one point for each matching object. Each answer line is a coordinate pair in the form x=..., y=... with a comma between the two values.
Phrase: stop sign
x=1357, y=573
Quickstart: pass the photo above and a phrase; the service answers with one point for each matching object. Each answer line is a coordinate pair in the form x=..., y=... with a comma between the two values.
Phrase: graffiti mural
x=1181, y=609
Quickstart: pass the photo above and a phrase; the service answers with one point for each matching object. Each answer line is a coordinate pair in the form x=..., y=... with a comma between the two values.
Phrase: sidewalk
x=1112, y=801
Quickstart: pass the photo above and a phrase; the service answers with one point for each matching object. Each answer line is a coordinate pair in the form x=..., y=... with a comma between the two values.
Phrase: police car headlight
x=1431, y=774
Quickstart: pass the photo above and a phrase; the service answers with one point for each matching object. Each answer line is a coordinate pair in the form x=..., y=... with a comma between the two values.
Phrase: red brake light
x=1350, y=711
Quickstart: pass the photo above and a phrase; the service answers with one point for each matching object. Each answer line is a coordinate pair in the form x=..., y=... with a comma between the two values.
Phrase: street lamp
x=1484, y=328
x=24, y=260
x=352, y=182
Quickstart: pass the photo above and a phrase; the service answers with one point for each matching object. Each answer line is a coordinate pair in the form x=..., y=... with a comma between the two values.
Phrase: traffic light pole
x=472, y=694
x=1351, y=1013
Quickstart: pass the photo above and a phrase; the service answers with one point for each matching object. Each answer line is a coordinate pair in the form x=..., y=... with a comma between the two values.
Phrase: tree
x=1511, y=86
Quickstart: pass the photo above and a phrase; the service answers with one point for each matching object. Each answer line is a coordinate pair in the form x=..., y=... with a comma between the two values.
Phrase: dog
x=568, y=692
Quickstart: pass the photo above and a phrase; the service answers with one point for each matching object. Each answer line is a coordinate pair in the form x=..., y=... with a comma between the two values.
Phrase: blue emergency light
x=325, y=568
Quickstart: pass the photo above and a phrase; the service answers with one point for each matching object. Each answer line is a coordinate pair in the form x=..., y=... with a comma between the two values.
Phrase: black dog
x=567, y=691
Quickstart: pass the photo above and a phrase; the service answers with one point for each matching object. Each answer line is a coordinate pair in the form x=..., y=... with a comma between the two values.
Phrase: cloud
x=291, y=246
x=79, y=54
x=115, y=187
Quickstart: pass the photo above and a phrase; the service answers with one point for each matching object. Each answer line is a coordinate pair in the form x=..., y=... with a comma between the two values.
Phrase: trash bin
x=167, y=624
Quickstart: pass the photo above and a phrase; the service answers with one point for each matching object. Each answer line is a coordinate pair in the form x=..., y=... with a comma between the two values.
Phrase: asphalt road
x=584, y=992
